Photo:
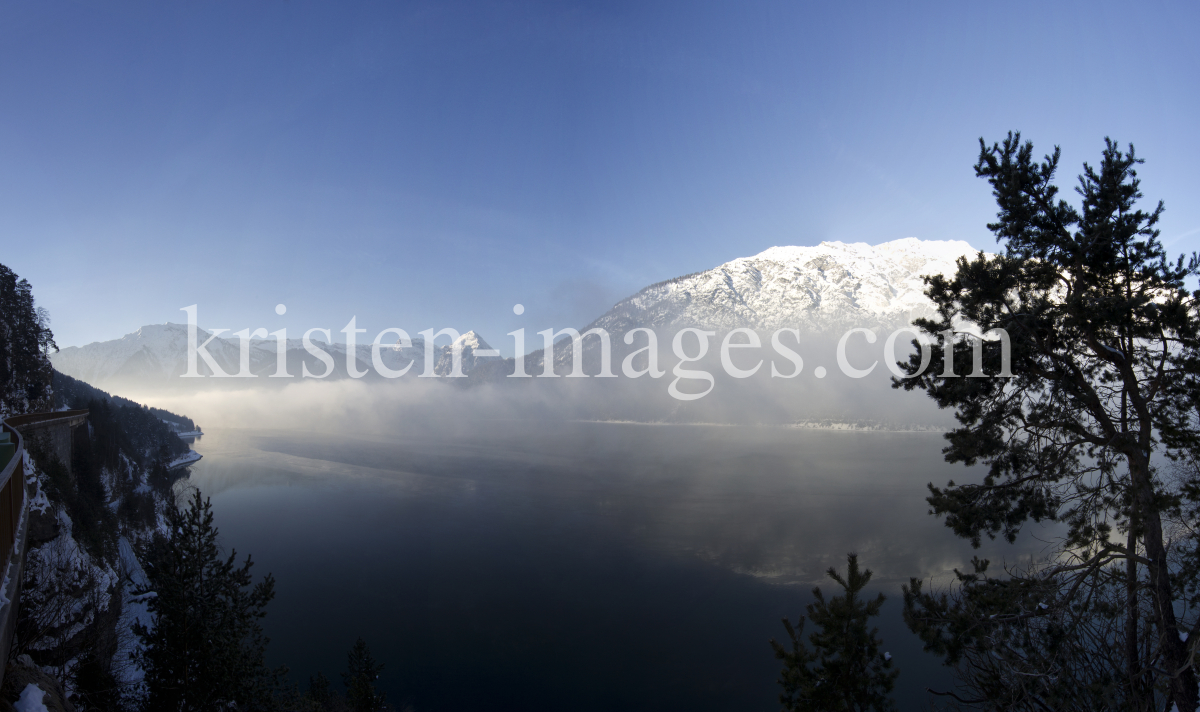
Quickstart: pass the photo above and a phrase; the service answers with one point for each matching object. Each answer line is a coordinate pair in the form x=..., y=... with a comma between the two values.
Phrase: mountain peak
x=472, y=340
x=828, y=286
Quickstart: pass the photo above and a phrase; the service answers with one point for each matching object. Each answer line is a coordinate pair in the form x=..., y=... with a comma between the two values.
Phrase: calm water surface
x=581, y=566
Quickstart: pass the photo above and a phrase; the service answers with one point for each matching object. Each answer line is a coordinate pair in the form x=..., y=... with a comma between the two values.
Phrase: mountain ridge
x=814, y=276
x=821, y=288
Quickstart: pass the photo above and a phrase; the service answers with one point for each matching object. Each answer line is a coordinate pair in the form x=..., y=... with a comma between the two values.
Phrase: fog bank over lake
x=523, y=563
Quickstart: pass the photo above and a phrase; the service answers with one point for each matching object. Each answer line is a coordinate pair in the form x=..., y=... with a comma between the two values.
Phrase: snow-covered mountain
x=820, y=290
x=830, y=286
x=157, y=354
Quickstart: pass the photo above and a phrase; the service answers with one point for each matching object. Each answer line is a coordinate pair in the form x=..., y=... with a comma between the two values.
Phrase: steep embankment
x=90, y=518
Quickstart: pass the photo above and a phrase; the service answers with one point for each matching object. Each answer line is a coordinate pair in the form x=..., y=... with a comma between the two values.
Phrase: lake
x=522, y=565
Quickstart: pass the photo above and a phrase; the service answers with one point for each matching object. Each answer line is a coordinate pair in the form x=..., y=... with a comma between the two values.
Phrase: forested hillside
x=147, y=425
x=127, y=601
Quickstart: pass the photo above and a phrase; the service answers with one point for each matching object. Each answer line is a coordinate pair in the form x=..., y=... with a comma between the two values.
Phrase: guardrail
x=51, y=417
x=12, y=490
x=14, y=524
x=51, y=429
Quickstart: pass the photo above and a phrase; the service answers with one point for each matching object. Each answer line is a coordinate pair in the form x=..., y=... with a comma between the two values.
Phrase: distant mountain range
x=157, y=355
x=820, y=289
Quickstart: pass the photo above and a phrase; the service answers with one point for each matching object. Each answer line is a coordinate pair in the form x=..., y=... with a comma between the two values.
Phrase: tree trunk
x=1174, y=653
x=1133, y=661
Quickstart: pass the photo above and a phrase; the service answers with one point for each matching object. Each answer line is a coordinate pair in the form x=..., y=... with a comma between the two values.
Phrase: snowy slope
x=474, y=352
x=157, y=354
x=830, y=286
x=155, y=350
x=823, y=289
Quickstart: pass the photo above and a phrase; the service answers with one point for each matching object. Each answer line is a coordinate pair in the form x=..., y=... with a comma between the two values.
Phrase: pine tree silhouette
x=361, y=673
x=205, y=650
x=844, y=670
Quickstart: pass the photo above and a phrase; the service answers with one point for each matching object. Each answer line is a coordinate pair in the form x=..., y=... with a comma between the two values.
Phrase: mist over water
x=499, y=553
x=771, y=395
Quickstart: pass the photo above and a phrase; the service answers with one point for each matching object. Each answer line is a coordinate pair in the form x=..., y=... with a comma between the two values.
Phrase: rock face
x=475, y=352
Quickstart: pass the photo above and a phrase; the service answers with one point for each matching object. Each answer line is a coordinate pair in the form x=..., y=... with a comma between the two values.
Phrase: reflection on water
x=541, y=566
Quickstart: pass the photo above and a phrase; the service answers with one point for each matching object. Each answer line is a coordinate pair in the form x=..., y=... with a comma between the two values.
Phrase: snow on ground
x=185, y=459
x=31, y=700
x=133, y=610
x=60, y=566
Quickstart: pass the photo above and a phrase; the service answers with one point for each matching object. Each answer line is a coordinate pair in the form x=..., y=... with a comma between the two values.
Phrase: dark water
x=582, y=566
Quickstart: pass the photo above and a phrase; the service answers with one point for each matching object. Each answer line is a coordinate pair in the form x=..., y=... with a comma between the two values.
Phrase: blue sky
x=431, y=164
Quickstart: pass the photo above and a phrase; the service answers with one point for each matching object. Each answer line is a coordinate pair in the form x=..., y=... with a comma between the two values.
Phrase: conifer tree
x=1104, y=342
x=319, y=692
x=844, y=670
x=361, y=673
x=25, y=344
x=206, y=648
